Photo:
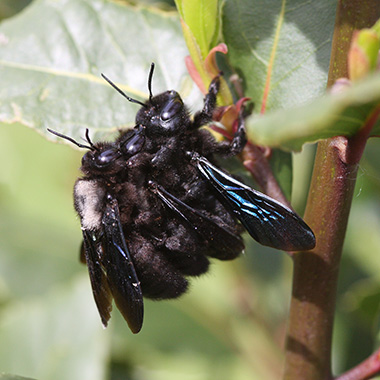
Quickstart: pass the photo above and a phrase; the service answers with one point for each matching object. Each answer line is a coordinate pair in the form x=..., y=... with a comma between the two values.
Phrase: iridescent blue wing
x=224, y=244
x=266, y=220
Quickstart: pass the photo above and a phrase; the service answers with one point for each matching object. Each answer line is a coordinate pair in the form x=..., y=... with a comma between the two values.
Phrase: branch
x=365, y=370
x=308, y=346
x=316, y=272
x=255, y=160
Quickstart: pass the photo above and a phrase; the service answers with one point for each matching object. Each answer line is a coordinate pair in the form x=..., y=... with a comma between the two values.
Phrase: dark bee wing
x=118, y=265
x=225, y=243
x=111, y=270
x=82, y=254
x=99, y=283
x=267, y=221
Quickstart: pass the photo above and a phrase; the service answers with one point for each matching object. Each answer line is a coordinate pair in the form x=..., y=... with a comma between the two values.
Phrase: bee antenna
x=122, y=92
x=150, y=81
x=90, y=147
x=87, y=134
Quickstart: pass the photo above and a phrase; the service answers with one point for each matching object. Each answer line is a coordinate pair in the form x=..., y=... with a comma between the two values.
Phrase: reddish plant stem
x=365, y=370
x=308, y=345
x=256, y=162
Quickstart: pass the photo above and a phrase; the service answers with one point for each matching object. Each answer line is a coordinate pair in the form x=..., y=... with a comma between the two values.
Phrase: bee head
x=104, y=159
x=163, y=114
x=101, y=158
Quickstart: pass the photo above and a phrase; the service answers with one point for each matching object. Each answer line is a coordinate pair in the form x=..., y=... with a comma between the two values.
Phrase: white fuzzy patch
x=89, y=198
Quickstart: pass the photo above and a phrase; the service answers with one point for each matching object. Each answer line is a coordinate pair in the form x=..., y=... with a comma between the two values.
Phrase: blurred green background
x=232, y=323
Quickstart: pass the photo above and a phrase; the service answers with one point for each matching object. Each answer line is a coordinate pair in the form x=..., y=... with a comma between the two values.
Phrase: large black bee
x=154, y=206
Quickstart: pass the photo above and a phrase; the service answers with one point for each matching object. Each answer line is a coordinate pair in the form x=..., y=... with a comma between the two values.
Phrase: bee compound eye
x=133, y=145
x=172, y=108
x=106, y=157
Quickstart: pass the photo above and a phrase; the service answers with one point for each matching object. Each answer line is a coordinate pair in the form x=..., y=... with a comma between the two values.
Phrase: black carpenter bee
x=155, y=206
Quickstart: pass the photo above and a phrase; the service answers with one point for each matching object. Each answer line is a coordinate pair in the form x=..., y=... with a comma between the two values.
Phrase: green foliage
x=331, y=115
x=4, y=376
x=202, y=18
x=231, y=325
x=44, y=66
x=287, y=43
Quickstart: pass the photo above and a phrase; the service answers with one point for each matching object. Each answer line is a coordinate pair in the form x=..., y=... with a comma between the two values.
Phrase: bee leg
x=236, y=145
x=164, y=155
x=240, y=138
x=205, y=116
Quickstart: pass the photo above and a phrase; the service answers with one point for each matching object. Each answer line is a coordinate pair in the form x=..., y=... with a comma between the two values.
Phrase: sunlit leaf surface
x=50, y=71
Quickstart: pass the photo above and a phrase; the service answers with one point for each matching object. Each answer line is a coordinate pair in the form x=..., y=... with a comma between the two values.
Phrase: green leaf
x=363, y=53
x=369, y=41
x=50, y=71
x=202, y=18
x=5, y=376
x=56, y=336
x=331, y=115
x=281, y=49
